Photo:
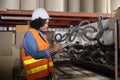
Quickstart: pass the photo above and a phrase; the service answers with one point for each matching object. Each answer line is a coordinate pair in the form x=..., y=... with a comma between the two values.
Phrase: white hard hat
x=40, y=12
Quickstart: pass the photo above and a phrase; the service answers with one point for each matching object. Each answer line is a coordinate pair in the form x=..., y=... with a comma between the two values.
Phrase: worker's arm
x=31, y=47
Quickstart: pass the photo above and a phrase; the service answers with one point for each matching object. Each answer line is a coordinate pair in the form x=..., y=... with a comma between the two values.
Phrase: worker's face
x=45, y=27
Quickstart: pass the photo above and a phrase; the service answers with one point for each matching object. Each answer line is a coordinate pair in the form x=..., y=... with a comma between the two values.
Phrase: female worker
x=36, y=53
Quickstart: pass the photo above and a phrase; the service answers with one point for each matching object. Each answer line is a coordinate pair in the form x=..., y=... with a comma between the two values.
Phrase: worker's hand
x=57, y=46
x=60, y=50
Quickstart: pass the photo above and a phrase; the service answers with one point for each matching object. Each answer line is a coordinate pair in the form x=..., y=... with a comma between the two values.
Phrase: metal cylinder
x=41, y=3
x=55, y=5
x=73, y=5
x=9, y=4
x=109, y=6
x=29, y=4
x=88, y=6
x=102, y=6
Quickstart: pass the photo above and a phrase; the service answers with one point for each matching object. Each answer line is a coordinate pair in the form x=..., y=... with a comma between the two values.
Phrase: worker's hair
x=37, y=23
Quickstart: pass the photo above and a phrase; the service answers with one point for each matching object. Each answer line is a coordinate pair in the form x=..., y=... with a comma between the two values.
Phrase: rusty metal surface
x=58, y=19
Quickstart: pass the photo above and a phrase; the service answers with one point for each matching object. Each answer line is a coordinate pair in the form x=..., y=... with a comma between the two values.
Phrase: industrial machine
x=95, y=53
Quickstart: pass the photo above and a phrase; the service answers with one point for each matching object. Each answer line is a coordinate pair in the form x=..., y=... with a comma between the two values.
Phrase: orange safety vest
x=37, y=68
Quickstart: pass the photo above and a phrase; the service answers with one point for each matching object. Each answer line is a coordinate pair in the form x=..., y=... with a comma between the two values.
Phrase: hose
x=88, y=37
x=60, y=37
x=84, y=21
x=74, y=35
x=102, y=45
x=64, y=36
x=100, y=25
x=99, y=34
x=72, y=32
x=79, y=28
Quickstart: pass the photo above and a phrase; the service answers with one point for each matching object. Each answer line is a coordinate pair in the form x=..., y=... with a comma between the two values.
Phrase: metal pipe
x=15, y=18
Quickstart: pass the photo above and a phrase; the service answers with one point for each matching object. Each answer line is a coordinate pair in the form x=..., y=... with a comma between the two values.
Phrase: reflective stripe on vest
x=37, y=68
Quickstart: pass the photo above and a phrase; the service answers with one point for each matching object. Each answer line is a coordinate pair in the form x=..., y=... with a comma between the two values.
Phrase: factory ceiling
x=58, y=19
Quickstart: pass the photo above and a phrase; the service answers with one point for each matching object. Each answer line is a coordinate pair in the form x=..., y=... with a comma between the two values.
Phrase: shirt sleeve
x=31, y=47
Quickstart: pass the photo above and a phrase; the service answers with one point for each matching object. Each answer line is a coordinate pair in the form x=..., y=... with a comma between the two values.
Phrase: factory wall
x=90, y=6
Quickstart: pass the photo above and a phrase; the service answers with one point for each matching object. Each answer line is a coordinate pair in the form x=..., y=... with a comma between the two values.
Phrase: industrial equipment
x=98, y=56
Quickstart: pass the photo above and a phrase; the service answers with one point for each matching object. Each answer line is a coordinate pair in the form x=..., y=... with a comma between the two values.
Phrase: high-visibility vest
x=37, y=68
